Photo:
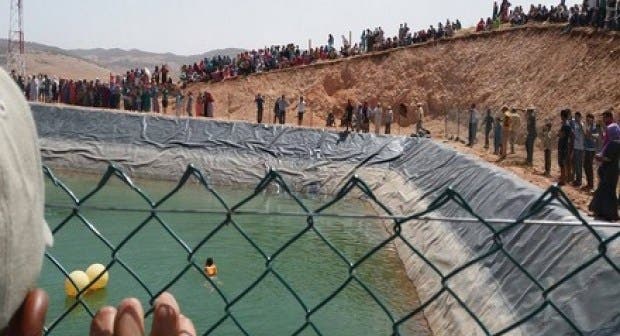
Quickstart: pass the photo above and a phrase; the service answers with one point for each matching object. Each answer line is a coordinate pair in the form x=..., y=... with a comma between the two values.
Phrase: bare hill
x=41, y=58
x=523, y=66
x=98, y=63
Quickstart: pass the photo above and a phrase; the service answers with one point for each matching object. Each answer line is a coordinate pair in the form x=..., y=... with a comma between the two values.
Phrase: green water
x=309, y=266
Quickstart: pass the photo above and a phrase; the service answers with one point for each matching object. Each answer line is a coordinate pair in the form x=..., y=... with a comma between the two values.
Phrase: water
x=309, y=266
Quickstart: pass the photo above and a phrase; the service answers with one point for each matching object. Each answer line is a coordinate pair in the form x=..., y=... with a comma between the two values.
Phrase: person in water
x=210, y=268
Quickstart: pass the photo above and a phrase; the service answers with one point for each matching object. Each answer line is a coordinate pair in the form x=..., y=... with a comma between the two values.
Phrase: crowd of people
x=220, y=67
x=138, y=90
x=360, y=117
x=581, y=140
x=594, y=13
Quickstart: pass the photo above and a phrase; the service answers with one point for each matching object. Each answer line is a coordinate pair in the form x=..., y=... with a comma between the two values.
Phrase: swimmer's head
x=209, y=262
x=23, y=231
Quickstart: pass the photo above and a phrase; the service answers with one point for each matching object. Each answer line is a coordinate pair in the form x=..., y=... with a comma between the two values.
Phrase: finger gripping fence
x=353, y=185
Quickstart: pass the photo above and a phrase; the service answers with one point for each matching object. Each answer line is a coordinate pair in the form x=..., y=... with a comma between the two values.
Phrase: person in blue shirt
x=497, y=136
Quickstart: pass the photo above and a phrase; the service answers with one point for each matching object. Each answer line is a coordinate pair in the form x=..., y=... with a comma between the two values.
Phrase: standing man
x=570, y=174
x=531, y=136
x=365, y=118
x=259, y=108
x=506, y=131
x=348, y=115
x=547, y=141
x=578, y=149
x=605, y=201
x=378, y=118
x=164, y=100
x=497, y=136
x=488, y=126
x=301, y=109
x=359, y=118
x=190, y=104
x=276, y=110
x=419, y=127
x=565, y=135
x=178, y=104
x=592, y=134
x=515, y=126
x=282, y=106
x=389, y=118
x=473, y=125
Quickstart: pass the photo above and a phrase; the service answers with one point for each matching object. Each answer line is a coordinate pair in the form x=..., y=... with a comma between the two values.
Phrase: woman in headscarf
x=604, y=204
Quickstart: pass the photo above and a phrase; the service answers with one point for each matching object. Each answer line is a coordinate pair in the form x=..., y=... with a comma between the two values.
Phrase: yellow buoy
x=93, y=271
x=80, y=279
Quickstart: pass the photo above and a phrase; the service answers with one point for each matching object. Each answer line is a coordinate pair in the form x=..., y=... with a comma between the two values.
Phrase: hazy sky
x=195, y=26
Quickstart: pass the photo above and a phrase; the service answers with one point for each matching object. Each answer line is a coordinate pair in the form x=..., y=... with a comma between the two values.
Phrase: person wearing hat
x=24, y=235
x=530, y=139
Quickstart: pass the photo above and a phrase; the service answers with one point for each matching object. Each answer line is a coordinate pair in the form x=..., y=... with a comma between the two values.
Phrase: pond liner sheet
x=406, y=174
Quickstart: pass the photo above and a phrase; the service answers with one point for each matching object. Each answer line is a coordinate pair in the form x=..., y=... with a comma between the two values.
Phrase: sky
x=188, y=27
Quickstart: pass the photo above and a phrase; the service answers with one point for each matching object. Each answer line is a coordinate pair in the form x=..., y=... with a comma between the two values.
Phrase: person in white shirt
x=378, y=118
x=301, y=109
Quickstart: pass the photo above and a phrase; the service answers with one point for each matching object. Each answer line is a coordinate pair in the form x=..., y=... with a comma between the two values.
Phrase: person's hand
x=128, y=319
x=29, y=319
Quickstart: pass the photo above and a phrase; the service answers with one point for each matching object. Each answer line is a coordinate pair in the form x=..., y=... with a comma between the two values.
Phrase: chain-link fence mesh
x=153, y=209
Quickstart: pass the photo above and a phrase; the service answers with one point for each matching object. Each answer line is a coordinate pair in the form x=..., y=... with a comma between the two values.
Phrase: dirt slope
x=535, y=65
x=524, y=66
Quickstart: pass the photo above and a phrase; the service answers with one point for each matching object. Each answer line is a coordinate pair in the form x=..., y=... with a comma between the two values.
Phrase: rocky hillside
x=524, y=66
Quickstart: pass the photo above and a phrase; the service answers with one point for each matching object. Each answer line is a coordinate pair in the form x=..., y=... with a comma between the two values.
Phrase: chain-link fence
x=154, y=210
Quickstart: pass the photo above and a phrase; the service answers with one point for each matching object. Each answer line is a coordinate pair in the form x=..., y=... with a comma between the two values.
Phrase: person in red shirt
x=480, y=25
